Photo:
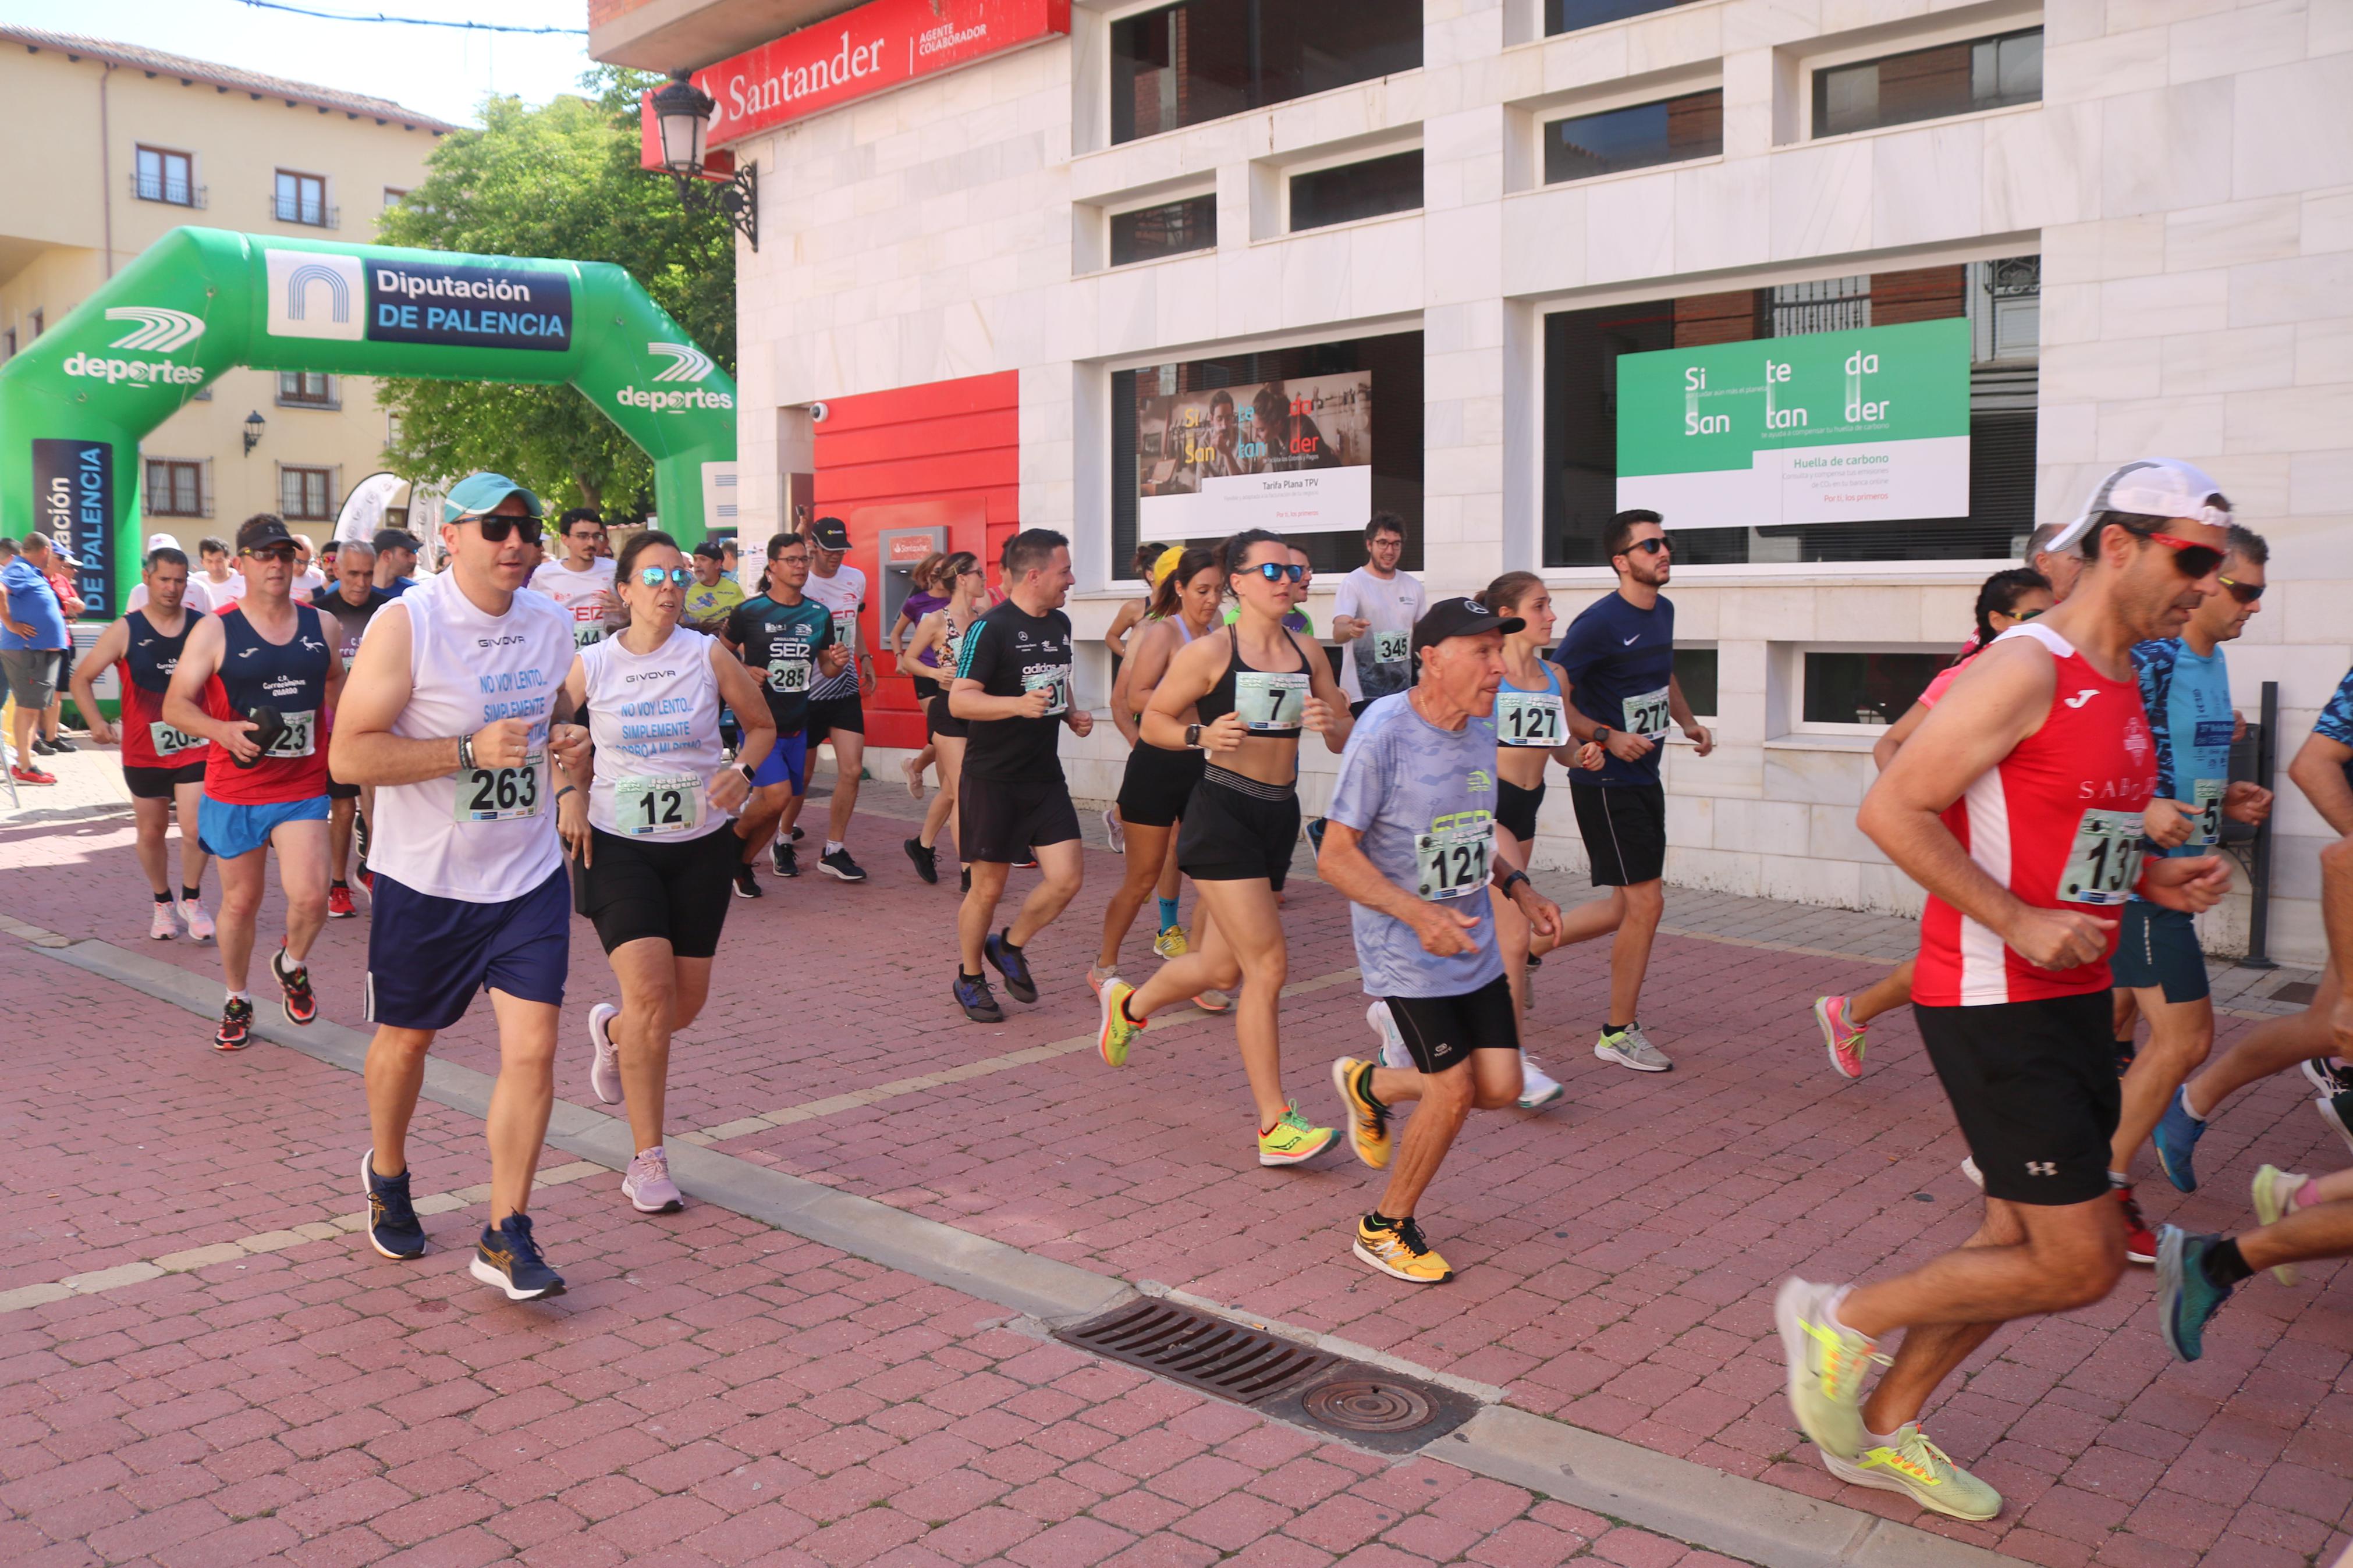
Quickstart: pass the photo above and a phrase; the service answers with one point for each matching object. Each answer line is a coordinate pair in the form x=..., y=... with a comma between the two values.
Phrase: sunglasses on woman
x=1275, y=571
x=655, y=576
x=495, y=528
x=2245, y=593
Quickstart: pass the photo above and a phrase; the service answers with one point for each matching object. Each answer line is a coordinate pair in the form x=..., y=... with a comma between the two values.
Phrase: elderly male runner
x=2018, y=807
x=449, y=715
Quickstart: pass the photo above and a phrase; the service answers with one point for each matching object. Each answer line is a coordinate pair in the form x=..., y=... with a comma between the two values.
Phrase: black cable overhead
x=410, y=21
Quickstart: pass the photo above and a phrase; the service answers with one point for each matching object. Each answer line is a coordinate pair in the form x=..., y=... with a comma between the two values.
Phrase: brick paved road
x=1617, y=1253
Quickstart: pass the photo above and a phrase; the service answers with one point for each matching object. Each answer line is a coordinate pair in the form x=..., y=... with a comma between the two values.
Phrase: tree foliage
x=559, y=181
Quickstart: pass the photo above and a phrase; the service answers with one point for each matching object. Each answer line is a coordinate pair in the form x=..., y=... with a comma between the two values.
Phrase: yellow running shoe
x=1171, y=943
x=1119, y=1030
x=1368, y=1119
x=1920, y=1470
x=1290, y=1142
x=2275, y=1192
x=1399, y=1252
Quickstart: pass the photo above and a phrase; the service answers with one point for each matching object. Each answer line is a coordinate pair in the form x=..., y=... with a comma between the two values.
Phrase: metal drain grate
x=1361, y=1403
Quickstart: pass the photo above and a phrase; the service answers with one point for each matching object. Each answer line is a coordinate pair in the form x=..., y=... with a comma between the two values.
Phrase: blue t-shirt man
x=31, y=603
x=1419, y=795
x=2188, y=700
x=1620, y=660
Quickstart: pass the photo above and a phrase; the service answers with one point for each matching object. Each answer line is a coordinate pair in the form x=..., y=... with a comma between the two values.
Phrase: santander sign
x=880, y=45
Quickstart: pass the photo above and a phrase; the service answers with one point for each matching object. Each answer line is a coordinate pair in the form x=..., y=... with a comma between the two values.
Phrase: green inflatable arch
x=76, y=403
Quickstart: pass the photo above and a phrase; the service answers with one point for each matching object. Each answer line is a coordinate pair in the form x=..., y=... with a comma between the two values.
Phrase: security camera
x=818, y=411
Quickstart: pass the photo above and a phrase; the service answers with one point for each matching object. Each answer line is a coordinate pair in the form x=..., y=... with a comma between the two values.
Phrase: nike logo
x=1632, y=641
x=2081, y=697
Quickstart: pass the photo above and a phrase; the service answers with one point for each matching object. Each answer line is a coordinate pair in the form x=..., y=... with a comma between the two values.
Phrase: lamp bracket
x=737, y=195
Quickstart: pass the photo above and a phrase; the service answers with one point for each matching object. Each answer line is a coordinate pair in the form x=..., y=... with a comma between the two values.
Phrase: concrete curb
x=1707, y=1508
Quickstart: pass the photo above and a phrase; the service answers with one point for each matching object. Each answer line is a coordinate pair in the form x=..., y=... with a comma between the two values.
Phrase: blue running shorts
x=787, y=759
x=228, y=831
x=428, y=956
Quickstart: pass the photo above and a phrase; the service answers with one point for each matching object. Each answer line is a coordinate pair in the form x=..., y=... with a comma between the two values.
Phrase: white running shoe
x=648, y=1185
x=200, y=924
x=160, y=926
x=913, y=775
x=1385, y=1029
x=1116, y=829
x=1630, y=1047
x=1969, y=1169
x=1537, y=1088
x=605, y=1064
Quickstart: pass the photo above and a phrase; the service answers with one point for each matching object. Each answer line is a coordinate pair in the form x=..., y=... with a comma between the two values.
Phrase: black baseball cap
x=395, y=539
x=829, y=534
x=709, y=550
x=1460, y=618
x=257, y=532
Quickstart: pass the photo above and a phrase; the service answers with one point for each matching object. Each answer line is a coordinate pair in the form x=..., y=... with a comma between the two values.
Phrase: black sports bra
x=1271, y=702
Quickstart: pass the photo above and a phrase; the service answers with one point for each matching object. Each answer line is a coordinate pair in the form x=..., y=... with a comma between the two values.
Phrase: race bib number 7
x=2104, y=861
x=1451, y=859
x=1647, y=715
x=499, y=795
x=1270, y=699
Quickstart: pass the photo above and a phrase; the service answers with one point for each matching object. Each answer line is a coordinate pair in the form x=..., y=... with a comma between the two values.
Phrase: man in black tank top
x=1012, y=686
x=164, y=770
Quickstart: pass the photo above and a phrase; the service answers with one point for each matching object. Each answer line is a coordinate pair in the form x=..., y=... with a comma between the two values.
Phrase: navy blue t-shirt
x=1619, y=660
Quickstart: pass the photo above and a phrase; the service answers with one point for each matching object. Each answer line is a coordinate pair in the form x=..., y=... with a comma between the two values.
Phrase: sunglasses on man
x=497, y=526
x=2191, y=559
x=2245, y=593
x=282, y=553
x=1651, y=546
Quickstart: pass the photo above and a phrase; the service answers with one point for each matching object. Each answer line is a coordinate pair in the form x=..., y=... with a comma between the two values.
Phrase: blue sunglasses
x=654, y=576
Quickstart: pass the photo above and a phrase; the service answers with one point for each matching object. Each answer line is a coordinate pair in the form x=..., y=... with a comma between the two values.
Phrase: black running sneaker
x=785, y=859
x=978, y=1002
x=927, y=862
x=799, y=833
x=508, y=1259
x=394, y=1230
x=964, y=883
x=841, y=867
x=747, y=885
x=302, y=1006
x=236, y=1031
x=1011, y=963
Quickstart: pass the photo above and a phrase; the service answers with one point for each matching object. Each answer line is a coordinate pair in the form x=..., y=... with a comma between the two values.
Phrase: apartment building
x=1089, y=263
x=135, y=143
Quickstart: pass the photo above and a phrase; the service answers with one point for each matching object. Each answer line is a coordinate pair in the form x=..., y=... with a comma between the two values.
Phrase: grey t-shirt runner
x=1424, y=800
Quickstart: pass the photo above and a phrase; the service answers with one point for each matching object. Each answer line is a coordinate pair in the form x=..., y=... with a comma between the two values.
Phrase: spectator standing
x=32, y=633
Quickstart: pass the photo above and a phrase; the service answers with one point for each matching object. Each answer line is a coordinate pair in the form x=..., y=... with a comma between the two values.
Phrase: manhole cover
x=1359, y=1405
x=2301, y=992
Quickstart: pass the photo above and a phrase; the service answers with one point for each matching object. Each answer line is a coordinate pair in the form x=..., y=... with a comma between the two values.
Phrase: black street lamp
x=683, y=115
x=253, y=423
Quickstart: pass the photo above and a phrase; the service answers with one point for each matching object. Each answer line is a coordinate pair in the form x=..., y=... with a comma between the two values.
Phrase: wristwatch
x=1192, y=737
x=1514, y=880
x=751, y=774
x=1602, y=734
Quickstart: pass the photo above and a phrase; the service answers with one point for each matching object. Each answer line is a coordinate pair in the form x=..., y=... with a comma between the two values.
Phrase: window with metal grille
x=1636, y=137
x=1929, y=84
x=1204, y=59
x=306, y=493
x=302, y=198
x=174, y=489
x=1821, y=305
x=1373, y=188
x=164, y=176
x=1168, y=229
x=305, y=388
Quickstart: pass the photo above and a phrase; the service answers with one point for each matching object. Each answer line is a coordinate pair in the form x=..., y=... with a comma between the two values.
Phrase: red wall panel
x=956, y=444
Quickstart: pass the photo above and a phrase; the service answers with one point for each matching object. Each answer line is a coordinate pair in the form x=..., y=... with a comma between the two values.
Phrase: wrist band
x=568, y=789
x=466, y=751
x=1514, y=880
x=751, y=774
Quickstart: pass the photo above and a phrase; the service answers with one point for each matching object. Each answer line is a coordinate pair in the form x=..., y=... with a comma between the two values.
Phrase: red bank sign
x=881, y=45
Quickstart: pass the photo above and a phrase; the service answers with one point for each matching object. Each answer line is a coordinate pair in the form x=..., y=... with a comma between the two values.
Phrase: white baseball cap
x=161, y=541
x=2151, y=486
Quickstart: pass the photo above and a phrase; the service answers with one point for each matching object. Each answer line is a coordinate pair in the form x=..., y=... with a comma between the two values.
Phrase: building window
x=1696, y=673
x=394, y=197
x=306, y=494
x=1270, y=430
x=2000, y=300
x=1929, y=84
x=304, y=389
x=1568, y=15
x=40, y=323
x=1668, y=131
x=176, y=490
x=1370, y=189
x=1204, y=59
x=1167, y=230
x=1864, y=690
x=9, y=344
x=163, y=176
x=302, y=198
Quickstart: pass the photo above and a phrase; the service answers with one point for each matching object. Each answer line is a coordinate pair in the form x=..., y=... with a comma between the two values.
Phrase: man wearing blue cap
x=450, y=713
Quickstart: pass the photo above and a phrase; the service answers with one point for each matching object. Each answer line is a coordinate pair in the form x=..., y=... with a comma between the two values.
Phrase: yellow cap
x=1167, y=564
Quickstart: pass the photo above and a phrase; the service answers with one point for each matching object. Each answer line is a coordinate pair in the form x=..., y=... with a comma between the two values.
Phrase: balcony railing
x=316, y=215
x=175, y=192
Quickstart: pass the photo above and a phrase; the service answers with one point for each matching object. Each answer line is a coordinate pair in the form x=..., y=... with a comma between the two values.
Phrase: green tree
x=558, y=181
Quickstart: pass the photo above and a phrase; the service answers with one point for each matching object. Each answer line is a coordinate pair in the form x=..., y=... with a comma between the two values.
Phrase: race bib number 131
x=2104, y=861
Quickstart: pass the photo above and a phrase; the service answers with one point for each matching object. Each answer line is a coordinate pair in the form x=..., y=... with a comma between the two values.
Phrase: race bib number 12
x=673, y=804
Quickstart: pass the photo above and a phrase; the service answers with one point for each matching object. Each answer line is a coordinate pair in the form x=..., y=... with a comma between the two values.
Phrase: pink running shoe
x=200, y=924
x=159, y=925
x=648, y=1185
x=605, y=1064
x=1842, y=1033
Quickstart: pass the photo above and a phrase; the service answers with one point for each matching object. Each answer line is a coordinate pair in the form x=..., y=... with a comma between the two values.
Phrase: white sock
x=239, y=997
x=1838, y=1324
x=833, y=845
x=2184, y=1098
x=1882, y=1439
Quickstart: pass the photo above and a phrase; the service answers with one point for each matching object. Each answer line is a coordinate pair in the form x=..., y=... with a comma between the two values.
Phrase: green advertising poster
x=1870, y=426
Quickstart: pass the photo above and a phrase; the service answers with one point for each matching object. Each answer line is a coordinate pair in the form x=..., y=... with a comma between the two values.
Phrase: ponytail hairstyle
x=2000, y=594
x=1229, y=554
x=1504, y=594
x=951, y=567
x=1189, y=566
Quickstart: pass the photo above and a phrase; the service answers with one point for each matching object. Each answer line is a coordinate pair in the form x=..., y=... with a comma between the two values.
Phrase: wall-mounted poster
x=1293, y=456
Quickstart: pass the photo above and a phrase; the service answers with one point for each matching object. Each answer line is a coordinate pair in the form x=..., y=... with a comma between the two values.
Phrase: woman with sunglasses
x=2006, y=599
x=1251, y=694
x=1158, y=782
x=651, y=831
x=938, y=637
x=927, y=597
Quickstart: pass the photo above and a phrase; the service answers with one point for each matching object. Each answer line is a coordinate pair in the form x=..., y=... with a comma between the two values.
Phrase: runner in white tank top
x=450, y=710
x=653, y=865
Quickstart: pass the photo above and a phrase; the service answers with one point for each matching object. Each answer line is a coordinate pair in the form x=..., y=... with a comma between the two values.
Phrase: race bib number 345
x=2104, y=861
x=1392, y=648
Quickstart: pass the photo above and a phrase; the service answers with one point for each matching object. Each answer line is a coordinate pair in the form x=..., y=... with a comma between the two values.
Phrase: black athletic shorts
x=1516, y=808
x=156, y=783
x=2033, y=1085
x=1001, y=822
x=1157, y=783
x=1442, y=1031
x=846, y=713
x=2157, y=947
x=632, y=889
x=940, y=721
x=1238, y=829
x=341, y=791
x=1625, y=831
x=925, y=688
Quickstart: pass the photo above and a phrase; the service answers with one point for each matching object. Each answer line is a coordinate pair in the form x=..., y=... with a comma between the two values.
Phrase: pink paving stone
x=983, y=1533
x=1075, y=1543
x=1640, y=1549
x=1279, y=1552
